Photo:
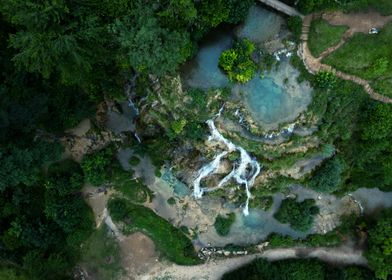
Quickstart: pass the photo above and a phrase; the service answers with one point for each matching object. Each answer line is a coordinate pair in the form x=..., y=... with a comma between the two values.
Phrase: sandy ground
x=97, y=201
x=138, y=255
x=81, y=129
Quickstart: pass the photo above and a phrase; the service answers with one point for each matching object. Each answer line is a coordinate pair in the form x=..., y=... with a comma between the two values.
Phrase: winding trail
x=214, y=270
x=314, y=65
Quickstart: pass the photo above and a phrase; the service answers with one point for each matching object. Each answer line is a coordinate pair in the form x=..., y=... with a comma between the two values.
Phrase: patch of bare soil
x=97, y=199
x=357, y=22
x=138, y=255
x=81, y=129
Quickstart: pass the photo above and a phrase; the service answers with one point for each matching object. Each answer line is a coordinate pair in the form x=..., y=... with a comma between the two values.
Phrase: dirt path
x=357, y=23
x=214, y=270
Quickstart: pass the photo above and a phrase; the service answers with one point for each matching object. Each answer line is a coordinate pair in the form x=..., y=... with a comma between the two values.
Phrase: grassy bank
x=101, y=256
x=369, y=57
x=169, y=240
x=322, y=35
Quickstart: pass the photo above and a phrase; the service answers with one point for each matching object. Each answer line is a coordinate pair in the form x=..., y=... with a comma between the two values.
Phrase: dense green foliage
x=328, y=177
x=322, y=35
x=95, y=166
x=298, y=214
x=60, y=58
x=133, y=189
x=223, y=224
x=305, y=269
x=379, y=252
x=367, y=56
x=294, y=24
x=237, y=62
x=325, y=80
x=44, y=222
x=10, y=273
x=358, y=127
x=171, y=241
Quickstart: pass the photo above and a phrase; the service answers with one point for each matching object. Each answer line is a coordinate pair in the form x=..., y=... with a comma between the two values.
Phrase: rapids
x=244, y=172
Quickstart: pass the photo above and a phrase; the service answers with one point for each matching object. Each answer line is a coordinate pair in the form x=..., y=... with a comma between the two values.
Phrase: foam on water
x=244, y=172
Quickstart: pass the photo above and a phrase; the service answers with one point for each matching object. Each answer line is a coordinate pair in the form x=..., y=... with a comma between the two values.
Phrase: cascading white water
x=206, y=170
x=137, y=137
x=244, y=172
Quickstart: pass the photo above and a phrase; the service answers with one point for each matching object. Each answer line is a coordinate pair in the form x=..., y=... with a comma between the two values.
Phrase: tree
x=178, y=126
x=148, y=47
x=237, y=62
x=379, y=252
x=327, y=178
x=95, y=166
x=379, y=123
x=22, y=165
x=55, y=38
x=298, y=214
x=223, y=223
x=177, y=14
x=213, y=12
x=238, y=10
x=325, y=79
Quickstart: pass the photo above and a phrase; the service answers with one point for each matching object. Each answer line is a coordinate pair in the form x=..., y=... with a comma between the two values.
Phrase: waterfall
x=206, y=170
x=132, y=105
x=361, y=209
x=137, y=137
x=244, y=172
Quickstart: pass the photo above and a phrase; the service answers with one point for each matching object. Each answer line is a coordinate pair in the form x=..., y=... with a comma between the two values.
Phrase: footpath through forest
x=357, y=23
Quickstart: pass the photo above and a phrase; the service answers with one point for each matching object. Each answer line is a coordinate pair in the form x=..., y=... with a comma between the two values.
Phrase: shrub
x=134, y=160
x=325, y=80
x=237, y=62
x=222, y=224
x=327, y=178
x=295, y=25
x=379, y=252
x=171, y=201
x=178, y=126
x=298, y=214
x=95, y=166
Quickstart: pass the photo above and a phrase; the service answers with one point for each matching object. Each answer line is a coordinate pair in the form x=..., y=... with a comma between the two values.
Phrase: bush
x=297, y=269
x=325, y=80
x=171, y=201
x=298, y=214
x=134, y=160
x=295, y=25
x=178, y=126
x=379, y=252
x=133, y=189
x=237, y=62
x=95, y=166
x=222, y=224
x=328, y=178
